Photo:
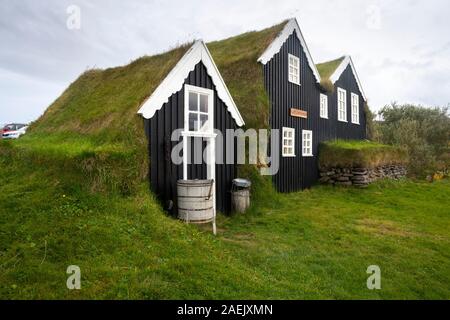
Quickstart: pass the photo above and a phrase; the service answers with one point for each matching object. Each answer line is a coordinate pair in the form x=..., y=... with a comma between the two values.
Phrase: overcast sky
x=401, y=49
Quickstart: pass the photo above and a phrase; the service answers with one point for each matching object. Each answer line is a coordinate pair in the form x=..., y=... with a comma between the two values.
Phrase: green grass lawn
x=312, y=244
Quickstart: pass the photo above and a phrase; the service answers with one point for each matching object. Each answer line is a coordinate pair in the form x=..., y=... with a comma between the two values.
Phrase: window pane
x=193, y=103
x=193, y=121
x=203, y=121
x=203, y=103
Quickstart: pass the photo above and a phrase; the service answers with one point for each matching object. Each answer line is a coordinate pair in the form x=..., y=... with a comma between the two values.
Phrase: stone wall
x=360, y=177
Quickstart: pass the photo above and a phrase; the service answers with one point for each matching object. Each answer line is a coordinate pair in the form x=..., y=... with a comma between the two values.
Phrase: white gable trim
x=340, y=69
x=174, y=82
x=275, y=46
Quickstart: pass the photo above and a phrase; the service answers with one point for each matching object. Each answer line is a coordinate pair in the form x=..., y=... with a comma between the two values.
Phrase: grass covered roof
x=359, y=153
x=102, y=104
x=327, y=68
x=94, y=127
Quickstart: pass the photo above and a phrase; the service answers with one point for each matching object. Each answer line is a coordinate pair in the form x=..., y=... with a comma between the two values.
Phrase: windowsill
x=307, y=155
x=356, y=123
x=342, y=120
x=288, y=155
x=298, y=84
x=324, y=118
x=198, y=134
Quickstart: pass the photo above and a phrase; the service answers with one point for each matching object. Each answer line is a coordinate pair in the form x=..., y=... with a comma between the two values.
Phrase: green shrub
x=423, y=132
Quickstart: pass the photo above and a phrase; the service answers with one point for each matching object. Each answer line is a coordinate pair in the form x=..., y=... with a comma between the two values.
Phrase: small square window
x=198, y=109
x=288, y=142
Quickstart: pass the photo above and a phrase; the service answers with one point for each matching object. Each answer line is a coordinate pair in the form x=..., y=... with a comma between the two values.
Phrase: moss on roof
x=102, y=104
x=236, y=58
x=327, y=68
x=96, y=118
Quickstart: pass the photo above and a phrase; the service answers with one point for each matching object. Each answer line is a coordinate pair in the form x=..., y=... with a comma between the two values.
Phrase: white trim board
x=291, y=26
x=174, y=82
x=340, y=69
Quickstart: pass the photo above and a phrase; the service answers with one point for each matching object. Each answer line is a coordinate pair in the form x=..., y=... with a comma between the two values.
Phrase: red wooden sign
x=299, y=113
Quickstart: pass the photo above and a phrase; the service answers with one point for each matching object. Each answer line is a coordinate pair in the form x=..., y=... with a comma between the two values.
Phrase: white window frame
x=307, y=146
x=199, y=91
x=288, y=150
x=355, y=108
x=296, y=69
x=342, y=105
x=323, y=106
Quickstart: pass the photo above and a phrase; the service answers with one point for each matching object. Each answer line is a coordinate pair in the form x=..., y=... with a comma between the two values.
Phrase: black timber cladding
x=163, y=172
x=301, y=172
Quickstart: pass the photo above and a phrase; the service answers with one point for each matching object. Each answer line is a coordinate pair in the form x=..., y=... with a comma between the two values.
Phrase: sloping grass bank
x=111, y=167
x=312, y=244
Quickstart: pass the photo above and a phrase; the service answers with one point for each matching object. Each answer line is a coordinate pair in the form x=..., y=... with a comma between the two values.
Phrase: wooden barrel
x=195, y=200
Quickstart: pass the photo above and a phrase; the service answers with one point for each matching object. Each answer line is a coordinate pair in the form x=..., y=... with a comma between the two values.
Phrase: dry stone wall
x=360, y=177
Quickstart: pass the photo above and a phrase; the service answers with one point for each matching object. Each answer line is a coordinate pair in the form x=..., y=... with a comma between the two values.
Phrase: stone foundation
x=360, y=177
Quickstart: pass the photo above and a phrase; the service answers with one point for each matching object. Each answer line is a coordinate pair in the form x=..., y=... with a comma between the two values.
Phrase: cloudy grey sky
x=401, y=49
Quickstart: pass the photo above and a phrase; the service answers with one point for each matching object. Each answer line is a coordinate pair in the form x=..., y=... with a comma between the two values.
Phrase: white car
x=14, y=134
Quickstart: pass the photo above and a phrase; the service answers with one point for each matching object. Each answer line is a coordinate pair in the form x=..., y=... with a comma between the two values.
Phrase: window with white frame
x=294, y=69
x=355, y=108
x=323, y=106
x=342, y=104
x=288, y=141
x=307, y=143
x=198, y=109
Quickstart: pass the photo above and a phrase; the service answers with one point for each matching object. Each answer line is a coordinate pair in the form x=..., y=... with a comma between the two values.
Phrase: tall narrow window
x=198, y=109
x=323, y=106
x=288, y=141
x=307, y=143
x=355, y=108
x=294, y=69
x=342, y=104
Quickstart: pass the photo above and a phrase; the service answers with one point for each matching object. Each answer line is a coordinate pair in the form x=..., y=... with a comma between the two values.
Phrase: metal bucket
x=195, y=200
x=240, y=195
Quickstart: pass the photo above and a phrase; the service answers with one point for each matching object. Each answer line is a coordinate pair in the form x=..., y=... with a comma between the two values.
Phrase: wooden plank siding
x=163, y=173
x=348, y=130
x=300, y=172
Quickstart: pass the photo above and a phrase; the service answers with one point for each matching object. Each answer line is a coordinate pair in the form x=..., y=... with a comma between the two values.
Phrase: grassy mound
x=355, y=153
x=315, y=244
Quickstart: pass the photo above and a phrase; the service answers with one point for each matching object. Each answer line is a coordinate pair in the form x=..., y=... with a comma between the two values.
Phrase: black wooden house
x=194, y=99
x=303, y=110
x=300, y=104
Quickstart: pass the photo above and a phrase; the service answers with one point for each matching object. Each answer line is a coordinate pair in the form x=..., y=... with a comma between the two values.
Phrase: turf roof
x=102, y=104
x=236, y=58
x=327, y=68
